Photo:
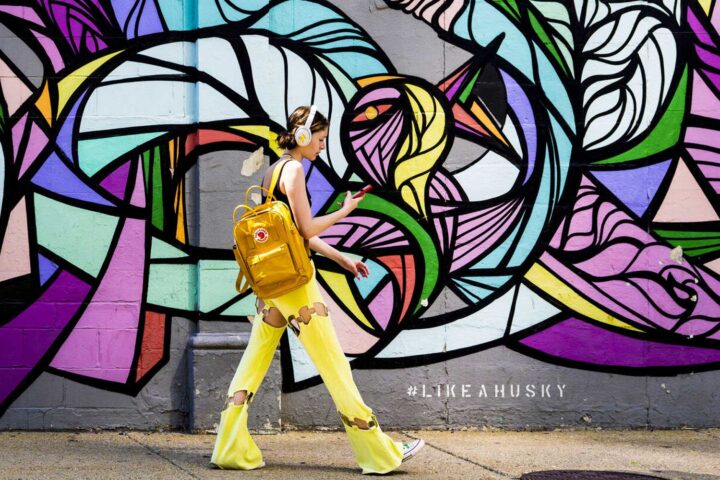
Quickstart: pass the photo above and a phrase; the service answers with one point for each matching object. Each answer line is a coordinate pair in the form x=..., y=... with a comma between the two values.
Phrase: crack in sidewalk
x=157, y=452
x=499, y=475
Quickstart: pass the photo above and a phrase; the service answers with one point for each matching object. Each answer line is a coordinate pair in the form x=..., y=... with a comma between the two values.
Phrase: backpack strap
x=275, y=178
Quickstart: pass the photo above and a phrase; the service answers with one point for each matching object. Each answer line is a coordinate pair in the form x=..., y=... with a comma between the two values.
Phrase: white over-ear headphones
x=303, y=134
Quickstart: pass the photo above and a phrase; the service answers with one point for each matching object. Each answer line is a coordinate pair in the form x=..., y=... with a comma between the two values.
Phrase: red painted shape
x=405, y=276
x=153, y=343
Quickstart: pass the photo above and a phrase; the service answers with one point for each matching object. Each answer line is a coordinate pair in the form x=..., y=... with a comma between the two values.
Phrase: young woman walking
x=375, y=452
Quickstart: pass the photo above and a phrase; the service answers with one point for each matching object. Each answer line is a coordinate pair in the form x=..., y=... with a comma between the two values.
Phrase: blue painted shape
x=65, y=135
x=47, y=267
x=56, y=176
x=635, y=187
x=377, y=273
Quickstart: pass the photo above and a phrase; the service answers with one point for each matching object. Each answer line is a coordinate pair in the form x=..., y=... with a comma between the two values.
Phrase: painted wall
x=543, y=235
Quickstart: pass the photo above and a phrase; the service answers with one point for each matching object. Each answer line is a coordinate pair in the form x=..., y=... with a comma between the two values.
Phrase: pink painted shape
x=705, y=137
x=14, y=90
x=51, y=51
x=714, y=265
x=37, y=141
x=381, y=306
x=112, y=316
x=138, y=196
x=685, y=200
x=14, y=249
x=704, y=102
x=17, y=133
x=26, y=13
x=353, y=339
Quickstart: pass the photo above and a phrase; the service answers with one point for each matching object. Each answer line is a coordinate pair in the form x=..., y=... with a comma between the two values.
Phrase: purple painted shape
x=520, y=104
x=698, y=28
x=79, y=19
x=635, y=187
x=65, y=135
x=36, y=142
x=320, y=188
x=381, y=306
x=29, y=336
x=704, y=101
x=17, y=134
x=46, y=267
x=581, y=341
x=56, y=176
x=451, y=92
x=116, y=181
x=137, y=16
x=378, y=94
x=711, y=59
x=51, y=50
x=102, y=344
x=26, y=13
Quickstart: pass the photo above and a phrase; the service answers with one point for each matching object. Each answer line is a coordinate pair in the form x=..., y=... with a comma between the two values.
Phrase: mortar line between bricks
x=169, y=460
x=484, y=467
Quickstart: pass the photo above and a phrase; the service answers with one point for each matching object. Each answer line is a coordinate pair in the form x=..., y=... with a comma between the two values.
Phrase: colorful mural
x=557, y=193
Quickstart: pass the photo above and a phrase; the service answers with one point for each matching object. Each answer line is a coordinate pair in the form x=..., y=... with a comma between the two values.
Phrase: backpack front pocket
x=272, y=266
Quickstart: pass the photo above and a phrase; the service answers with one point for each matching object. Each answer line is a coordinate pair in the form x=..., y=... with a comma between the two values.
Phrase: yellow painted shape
x=261, y=131
x=342, y=289
x=706, y=6
x=44, y=105
x=74, y=80
x=559, y=290
x=487, y=122
x=364, y=82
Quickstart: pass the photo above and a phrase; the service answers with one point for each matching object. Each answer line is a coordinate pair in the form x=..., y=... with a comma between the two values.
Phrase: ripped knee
x=305, y=315
x=273, y=317
x=360, y=423
x=240, y=397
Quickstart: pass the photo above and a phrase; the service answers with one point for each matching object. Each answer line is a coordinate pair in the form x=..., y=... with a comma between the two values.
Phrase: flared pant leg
x=375, y=451
x=234, y=447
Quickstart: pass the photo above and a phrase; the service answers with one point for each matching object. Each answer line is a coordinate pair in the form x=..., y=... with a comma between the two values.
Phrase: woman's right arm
x=294, y=182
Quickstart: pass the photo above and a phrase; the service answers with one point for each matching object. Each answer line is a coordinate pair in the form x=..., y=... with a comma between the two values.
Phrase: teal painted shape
x=473, y=290
x=160, y=249
x=217, y=283
x=345, y=83
x=493, y=259
x=80, y=236
x=554, y=88
x=95, y=154
x=181, y=19
x=244, y=307
x=494, y=282
x=173, y=285
x=377, y=274
x=212, y=13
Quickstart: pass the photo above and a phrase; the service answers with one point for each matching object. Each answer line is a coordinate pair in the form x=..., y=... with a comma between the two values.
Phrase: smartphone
x=362, y=192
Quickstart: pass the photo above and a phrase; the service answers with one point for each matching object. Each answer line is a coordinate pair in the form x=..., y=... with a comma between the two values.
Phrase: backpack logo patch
x=261, y=235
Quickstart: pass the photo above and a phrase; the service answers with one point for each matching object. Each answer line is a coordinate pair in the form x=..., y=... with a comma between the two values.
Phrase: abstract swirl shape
x=614, y=262
x=629, y=60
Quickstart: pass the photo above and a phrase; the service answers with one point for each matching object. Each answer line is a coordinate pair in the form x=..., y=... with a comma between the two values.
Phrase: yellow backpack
x=274, y=258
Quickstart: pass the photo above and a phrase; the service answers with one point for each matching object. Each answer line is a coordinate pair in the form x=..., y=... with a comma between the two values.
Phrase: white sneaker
x=410, y=449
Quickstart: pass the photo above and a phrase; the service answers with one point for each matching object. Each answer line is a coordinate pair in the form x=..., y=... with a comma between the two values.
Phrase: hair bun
x=286, y=140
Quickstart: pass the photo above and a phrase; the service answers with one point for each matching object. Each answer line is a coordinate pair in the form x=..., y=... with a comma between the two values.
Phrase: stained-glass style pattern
x=555, y=197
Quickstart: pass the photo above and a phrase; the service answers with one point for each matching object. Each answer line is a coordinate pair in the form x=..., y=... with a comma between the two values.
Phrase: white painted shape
x=530, y=309
x=487, y=178
x=217, y=58
x=181, y=53
x=133, y=70
x=214, y=106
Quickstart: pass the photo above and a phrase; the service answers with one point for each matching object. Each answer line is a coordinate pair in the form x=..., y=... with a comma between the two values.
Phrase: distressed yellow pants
x=375, y=452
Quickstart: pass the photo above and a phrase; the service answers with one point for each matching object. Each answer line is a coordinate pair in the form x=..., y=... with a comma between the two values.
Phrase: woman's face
x=317, y=145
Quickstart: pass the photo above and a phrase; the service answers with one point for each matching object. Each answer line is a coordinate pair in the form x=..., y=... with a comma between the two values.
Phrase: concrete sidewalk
x=677, y=454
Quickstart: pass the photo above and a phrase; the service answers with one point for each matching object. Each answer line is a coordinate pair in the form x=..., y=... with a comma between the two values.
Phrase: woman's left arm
x=356, y=267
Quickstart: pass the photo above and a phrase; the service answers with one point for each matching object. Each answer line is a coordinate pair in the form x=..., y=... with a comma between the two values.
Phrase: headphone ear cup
x=303, y=135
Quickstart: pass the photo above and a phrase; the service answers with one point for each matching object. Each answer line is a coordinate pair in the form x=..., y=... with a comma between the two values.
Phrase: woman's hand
x=350, y=203
x=356, y=267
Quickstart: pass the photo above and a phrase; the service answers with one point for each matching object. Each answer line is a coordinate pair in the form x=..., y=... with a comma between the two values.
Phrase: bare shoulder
x=294, y=171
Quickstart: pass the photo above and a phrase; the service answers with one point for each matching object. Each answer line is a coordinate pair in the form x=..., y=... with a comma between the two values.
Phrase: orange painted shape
x=364, y=82
x=153, y=343
x=405, y=281
x=485, y=119
x=44, y=105
x=449, y=82
x=463, y=117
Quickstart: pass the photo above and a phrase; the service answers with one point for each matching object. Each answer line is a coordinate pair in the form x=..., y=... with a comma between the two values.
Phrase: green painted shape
x=374, y=203
x=158, y=213
x=547, y=41
x=161, y=249
x=96, y=153
x=509, y=6
x=468, y=88
x=346, y=84
x=216, y=283
x=666, y=133
x=244, y=306
x=694, y=243
x=173, y=285
x=2, y=114
x=80, y=236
